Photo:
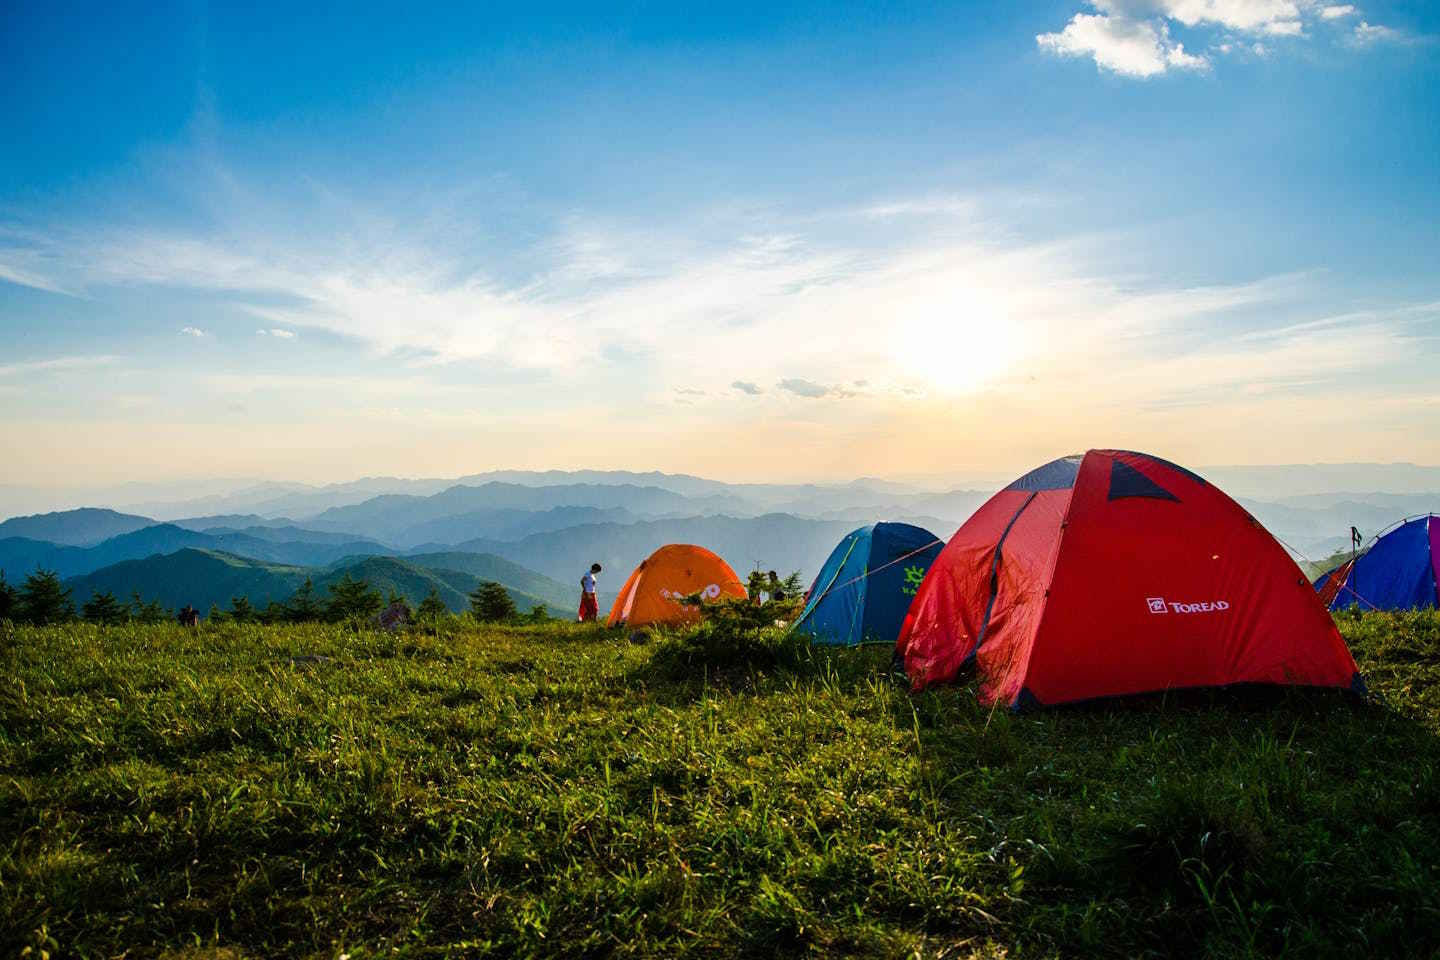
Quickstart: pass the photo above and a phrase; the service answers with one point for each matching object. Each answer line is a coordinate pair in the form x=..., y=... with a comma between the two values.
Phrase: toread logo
x=1160, y=605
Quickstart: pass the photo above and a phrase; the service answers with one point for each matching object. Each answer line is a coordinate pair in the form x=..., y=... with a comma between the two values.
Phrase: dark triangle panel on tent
x=1126, y=481
x=1183, y=471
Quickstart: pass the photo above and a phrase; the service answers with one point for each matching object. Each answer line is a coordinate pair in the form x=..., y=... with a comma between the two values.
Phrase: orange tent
x=652, y=593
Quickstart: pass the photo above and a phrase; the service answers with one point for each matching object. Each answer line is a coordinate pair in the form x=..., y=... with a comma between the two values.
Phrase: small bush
x=734, y=635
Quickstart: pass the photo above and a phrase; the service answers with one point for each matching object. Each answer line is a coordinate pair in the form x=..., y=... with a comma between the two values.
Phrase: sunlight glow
x=958, y=344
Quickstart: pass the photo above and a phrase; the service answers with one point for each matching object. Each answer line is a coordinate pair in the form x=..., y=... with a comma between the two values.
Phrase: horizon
x=296, y=245
x=1263, y=482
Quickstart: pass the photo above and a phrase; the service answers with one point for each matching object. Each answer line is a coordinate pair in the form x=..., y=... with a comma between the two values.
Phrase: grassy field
x=564, y=791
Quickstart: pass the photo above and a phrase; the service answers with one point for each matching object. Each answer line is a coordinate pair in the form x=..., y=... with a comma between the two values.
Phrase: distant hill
x=505, y=523
x=1275, y=482
x=73, y=528
x=759, y=495
x=941, y=527
x=232, y=521
x=303, y=500
x=299, y=535
x=389, y=517
x=414, y=581
x=1323, y=519
x=1399, y=504
x=776, y=542
x=272, y=499
x=19, y=556
x=196, y=577
x=485, y=566
x=205, y=577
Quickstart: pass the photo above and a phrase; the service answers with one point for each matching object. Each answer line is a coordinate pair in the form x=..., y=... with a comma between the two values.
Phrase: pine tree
x=432, y=607
x=44, y=599
x=490, y=602
x=274, y=612
x=352, y=599
x=303, y=607
x=539, y=613
x=793, y=586
x=216, y=615
x=240, y=609
x=151, y=612
x=9, y=599
x=104, y=608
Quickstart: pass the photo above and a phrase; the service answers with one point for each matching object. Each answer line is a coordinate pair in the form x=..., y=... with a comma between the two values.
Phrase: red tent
x=1117, y=573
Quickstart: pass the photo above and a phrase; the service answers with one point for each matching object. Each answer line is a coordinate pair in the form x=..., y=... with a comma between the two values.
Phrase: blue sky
x=758, y=243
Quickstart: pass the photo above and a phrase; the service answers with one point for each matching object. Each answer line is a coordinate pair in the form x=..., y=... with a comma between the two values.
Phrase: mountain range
x=205, y=577
x=20, y=555
x=777, y=542
x=549, y=526
x=73, y=528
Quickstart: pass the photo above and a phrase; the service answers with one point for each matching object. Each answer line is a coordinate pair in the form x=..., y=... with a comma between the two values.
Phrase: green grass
x=565, y=791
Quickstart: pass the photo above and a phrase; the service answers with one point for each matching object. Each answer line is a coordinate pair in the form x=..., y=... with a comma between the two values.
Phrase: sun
x=957, y=345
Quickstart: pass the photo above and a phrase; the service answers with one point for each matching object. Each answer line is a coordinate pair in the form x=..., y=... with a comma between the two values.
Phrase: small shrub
x=731, y=635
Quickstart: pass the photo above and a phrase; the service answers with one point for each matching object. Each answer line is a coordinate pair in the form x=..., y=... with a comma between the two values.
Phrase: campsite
x=857, y=478
x=917, y=757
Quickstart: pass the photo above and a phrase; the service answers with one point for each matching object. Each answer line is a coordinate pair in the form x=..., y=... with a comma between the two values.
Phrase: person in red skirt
x=589, y=606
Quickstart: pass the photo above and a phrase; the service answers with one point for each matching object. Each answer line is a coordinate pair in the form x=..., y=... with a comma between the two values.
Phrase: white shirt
x=587, y=582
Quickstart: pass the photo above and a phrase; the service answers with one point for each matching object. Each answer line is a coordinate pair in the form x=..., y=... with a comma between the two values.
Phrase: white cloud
x=937, y=206
x=1368, y=33
x=1132, y=48
x=1231, y=15
x=1133, y=38
x=675, y=319
x=23, y=277
x=1284, y=28
x=193, y=332
x=55, y=363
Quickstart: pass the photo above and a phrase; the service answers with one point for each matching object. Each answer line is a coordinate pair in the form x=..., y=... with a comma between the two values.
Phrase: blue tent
x=865, y=587
x=1398, y=572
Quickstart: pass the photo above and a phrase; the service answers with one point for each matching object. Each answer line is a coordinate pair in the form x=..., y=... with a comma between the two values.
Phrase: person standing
x=589, y=606
x=774, y=587
x=755, y=587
